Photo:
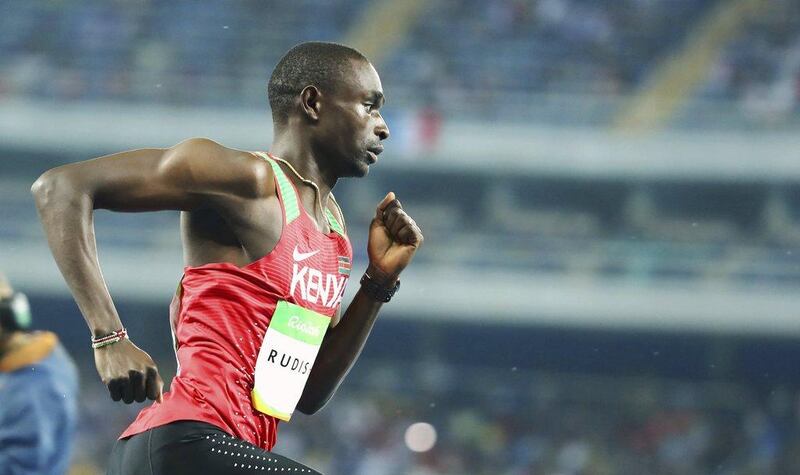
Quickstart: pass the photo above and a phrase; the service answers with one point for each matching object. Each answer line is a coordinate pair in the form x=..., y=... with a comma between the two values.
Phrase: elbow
x=48, y=188
x=43, y=188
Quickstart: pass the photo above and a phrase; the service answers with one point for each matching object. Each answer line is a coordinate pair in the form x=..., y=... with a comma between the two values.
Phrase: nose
x=382, y=130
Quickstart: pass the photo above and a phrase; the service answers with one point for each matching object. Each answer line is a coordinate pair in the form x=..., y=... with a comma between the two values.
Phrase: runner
x=256, y=318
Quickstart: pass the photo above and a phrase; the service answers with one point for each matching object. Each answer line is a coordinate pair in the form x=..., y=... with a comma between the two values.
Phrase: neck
x=296, y=149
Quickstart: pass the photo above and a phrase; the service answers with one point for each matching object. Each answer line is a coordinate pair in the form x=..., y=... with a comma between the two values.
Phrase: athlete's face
x=351, y=128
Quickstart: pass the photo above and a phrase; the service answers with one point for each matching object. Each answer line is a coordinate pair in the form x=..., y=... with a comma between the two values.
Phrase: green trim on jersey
x=333, y=223
x=291, y=206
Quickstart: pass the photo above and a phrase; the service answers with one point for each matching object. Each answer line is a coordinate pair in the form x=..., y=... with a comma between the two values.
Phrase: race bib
x=285, y=359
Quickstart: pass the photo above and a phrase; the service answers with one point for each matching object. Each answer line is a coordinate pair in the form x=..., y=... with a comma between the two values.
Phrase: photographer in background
x=38, y=393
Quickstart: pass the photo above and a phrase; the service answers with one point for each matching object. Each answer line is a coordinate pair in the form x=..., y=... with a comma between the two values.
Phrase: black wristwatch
x=376, y=290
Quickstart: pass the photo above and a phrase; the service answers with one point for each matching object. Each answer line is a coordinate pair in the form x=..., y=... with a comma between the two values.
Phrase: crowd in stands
x=489, y=52
x=220, y=53
x=498, y=50
x=759, y=71
x=768, y=51
x=514, y=422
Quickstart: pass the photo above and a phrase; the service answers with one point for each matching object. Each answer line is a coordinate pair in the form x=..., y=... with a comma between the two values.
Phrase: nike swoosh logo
x=301, y=256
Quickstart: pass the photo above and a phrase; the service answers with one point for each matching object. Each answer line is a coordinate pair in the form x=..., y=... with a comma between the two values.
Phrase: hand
x=393, y=240
x=129, y=372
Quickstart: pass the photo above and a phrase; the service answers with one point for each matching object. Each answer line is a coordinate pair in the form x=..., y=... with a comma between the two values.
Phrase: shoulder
x=241, y=172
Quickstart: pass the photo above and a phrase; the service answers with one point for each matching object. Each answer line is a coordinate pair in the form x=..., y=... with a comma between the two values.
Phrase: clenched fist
x=394, y=238
x=129, y=372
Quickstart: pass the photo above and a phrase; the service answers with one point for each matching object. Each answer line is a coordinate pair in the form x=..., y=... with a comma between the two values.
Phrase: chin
x=361, y=170
x=357, y=168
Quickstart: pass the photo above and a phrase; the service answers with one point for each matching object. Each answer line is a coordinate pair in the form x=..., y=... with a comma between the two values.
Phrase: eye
x=369, y=106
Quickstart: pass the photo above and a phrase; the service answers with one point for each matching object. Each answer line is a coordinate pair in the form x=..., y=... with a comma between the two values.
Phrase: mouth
x=373, y=153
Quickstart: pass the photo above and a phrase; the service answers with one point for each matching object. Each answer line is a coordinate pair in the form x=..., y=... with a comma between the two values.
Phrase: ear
x=310, y=102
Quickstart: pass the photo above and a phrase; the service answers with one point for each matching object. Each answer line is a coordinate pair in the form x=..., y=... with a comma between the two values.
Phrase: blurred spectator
x=38, y=393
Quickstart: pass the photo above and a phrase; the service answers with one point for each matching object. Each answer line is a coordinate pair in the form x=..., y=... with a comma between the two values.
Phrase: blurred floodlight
x=420, y=437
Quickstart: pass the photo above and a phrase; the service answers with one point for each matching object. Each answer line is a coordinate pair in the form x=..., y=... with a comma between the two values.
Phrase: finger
x=386, y=200
x=137, y=382
x=384, y=215
x=153, y=385
x=383, y=204
x=127, y=391
x=393, y=206
x=392, y=218
x=410, y=234
x=391, y=210
x=402, y=221
x=115, y=389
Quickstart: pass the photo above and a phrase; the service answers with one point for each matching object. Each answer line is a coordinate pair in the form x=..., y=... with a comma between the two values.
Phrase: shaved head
x=315, y=63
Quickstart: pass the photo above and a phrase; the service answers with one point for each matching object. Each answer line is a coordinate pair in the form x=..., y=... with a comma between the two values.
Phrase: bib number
x=287, y=354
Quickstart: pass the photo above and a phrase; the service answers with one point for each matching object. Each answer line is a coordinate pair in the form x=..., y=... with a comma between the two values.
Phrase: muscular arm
x=192, y=173
x=393, y=240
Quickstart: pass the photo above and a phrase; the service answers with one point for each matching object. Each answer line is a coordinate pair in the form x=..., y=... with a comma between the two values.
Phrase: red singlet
x=221, y=312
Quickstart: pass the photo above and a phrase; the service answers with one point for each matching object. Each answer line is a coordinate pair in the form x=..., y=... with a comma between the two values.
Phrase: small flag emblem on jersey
x=344, y=265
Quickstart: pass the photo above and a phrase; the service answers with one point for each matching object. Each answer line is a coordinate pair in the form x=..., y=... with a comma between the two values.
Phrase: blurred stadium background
x=610, y=192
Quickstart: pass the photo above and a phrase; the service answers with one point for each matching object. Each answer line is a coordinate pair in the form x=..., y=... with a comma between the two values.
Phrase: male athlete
x=38, y=393
x=256, y=319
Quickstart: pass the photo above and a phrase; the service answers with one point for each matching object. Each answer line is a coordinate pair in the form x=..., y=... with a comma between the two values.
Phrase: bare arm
x=192, y=173
x=393, y=240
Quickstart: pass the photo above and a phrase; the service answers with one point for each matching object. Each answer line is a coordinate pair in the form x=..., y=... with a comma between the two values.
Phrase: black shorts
x=193, y=448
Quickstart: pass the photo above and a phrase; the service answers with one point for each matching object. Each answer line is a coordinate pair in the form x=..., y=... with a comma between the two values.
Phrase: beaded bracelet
x=109, y=339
